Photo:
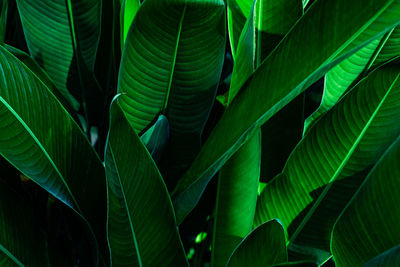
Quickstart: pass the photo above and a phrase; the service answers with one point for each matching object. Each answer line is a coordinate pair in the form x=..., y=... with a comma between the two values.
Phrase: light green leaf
x=344, y=143
x=60, y=34
x=236, y=199
x=129, y=9
x=390, y=257
x=341, y=77
x=369, y=225
x=41, y=140
x=141, y=223
x=264, y=246
x=307, y=52
x=21, y=241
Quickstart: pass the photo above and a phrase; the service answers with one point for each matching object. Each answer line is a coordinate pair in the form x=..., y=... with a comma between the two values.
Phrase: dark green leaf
x=141, y=223
x=21, y=242
x=264, y=246
x=59, y=32
x=40, y=139
x=390, y=257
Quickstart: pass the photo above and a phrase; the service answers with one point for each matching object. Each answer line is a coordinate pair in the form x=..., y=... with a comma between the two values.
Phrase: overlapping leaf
x=128, y=12
x=141, y=224
x=40, y=139
x=369, y=224
x=179, y=75
x=307, y=52
x=264, y=246
x=60, y=33
x=334, y=154
x=342, y=76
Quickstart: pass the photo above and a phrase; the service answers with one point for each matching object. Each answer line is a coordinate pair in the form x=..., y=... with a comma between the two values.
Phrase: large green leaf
x=307, y=52
x=21, y=242
x=40, y=139
x=342, y=76
x=272, y=18
x=60, y=34
x=369, y=225
x=390, y=257
x=179, y=75
x=141, y=223
x=391, y=48
x=342, y=145
x=264, y=246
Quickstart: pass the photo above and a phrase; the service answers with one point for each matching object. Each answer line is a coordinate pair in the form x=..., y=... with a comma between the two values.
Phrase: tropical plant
x=199, y=132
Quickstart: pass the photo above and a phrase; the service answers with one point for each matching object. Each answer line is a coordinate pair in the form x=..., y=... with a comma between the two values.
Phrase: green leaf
x=344, y=143
x=341, y=77
x=391, y=48
x=264, y=246
x=129, y=9
x=307, y=52
x=177, y=77
x=236, y=199
x=41, y=140
x=390, y=257
x=156, y=137
x=244, y=63
x=60, y=33
x=141, y=223
x=272, y=18
x=21, y=241
x=369, y=225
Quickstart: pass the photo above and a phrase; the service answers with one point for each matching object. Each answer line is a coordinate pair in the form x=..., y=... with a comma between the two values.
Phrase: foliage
x=199, y=132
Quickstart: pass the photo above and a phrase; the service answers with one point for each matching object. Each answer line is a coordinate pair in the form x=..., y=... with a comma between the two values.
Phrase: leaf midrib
x=139, y=258
x=172, y=71
x=10, y=255
x=342, y=165
x=36, y=140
